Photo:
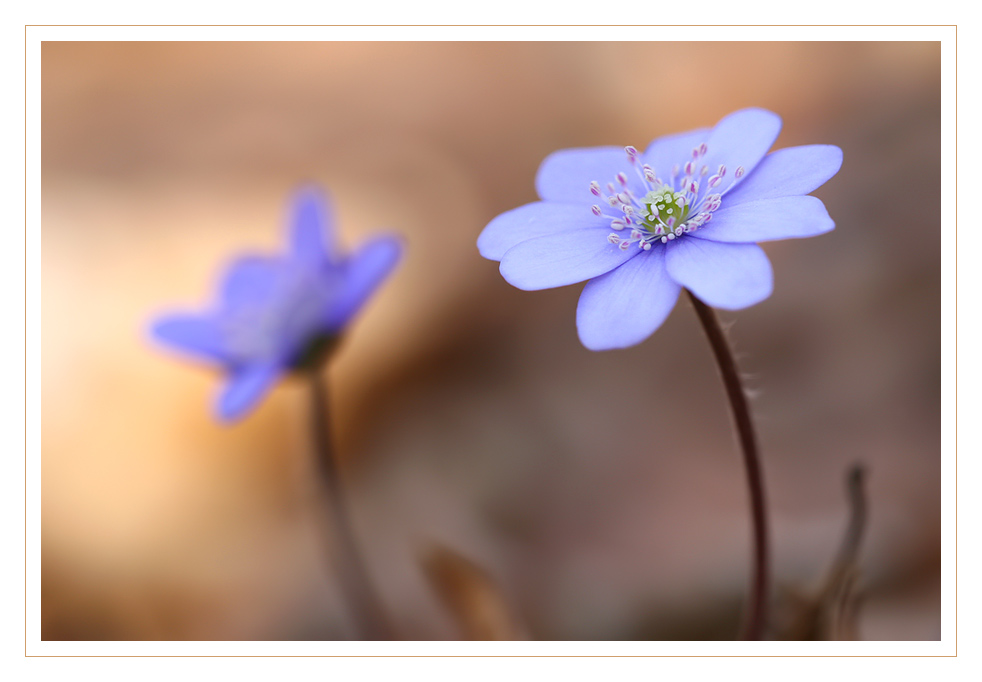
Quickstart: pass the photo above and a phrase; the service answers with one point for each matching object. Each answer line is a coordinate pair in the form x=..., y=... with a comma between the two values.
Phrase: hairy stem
x=356, y=587
x=755, y=622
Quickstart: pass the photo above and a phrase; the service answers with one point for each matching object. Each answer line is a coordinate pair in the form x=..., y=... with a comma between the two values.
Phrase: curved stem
x=756, y=618
x=356, y=588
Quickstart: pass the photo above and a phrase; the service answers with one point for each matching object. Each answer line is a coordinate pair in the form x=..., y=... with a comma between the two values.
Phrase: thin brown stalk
x=356, y=587
x=755, y=623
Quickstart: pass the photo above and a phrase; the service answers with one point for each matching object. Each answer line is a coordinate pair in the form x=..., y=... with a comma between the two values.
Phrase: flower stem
x=755, y=621
x=356, y=587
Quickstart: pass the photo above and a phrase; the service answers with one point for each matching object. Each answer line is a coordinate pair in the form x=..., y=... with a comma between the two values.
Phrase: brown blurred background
x=468, y=412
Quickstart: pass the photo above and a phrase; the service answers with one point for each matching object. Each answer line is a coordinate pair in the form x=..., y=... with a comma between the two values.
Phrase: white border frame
x=34, y=646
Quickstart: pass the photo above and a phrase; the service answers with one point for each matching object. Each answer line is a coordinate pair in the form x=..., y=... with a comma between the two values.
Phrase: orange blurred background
x=468, y=412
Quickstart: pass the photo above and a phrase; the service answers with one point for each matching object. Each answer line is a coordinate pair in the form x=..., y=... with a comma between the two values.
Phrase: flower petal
x=565, y=176
x=673, y=150
x=244, y=389
x=626, y=306
x=533, y=220
x=362, y=272
x=311, y=231
x=195, y=334
x=729, y=276
x=250, y=279
x=758, y=221
x=547, y=262
x=740, y=139
x=788, y=172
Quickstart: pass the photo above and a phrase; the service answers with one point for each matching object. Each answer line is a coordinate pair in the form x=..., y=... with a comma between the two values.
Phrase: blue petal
x=575, y=256
x=362, y=273
x=251, y=279
x=730, y=276
x=740, y=139
x=244, y=389
x=311, y=231
x=788, y=172
x=533, y=220
x=565, y=176
x=195, y=334
x=673, y=150
x=759, y=221
x=626, y=306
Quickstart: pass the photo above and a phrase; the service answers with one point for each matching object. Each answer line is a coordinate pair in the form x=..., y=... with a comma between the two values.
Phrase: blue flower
x=276, y=314
x=640, y=226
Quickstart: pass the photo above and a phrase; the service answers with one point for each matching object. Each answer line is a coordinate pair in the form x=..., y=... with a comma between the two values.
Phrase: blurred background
x=468, y=413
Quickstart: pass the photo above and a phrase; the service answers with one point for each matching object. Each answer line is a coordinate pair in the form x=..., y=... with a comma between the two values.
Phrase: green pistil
x=663, y=204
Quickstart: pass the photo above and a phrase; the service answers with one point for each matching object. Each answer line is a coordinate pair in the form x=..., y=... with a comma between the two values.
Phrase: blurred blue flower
x=275, y=314
x=640, y=226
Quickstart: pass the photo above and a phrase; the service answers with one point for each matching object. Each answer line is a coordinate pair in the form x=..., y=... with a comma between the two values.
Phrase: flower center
x=668, y=209
x=663, y=208
x=280, y=323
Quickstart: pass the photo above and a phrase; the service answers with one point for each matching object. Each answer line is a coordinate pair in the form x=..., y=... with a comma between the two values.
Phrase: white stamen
x=664, y=213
